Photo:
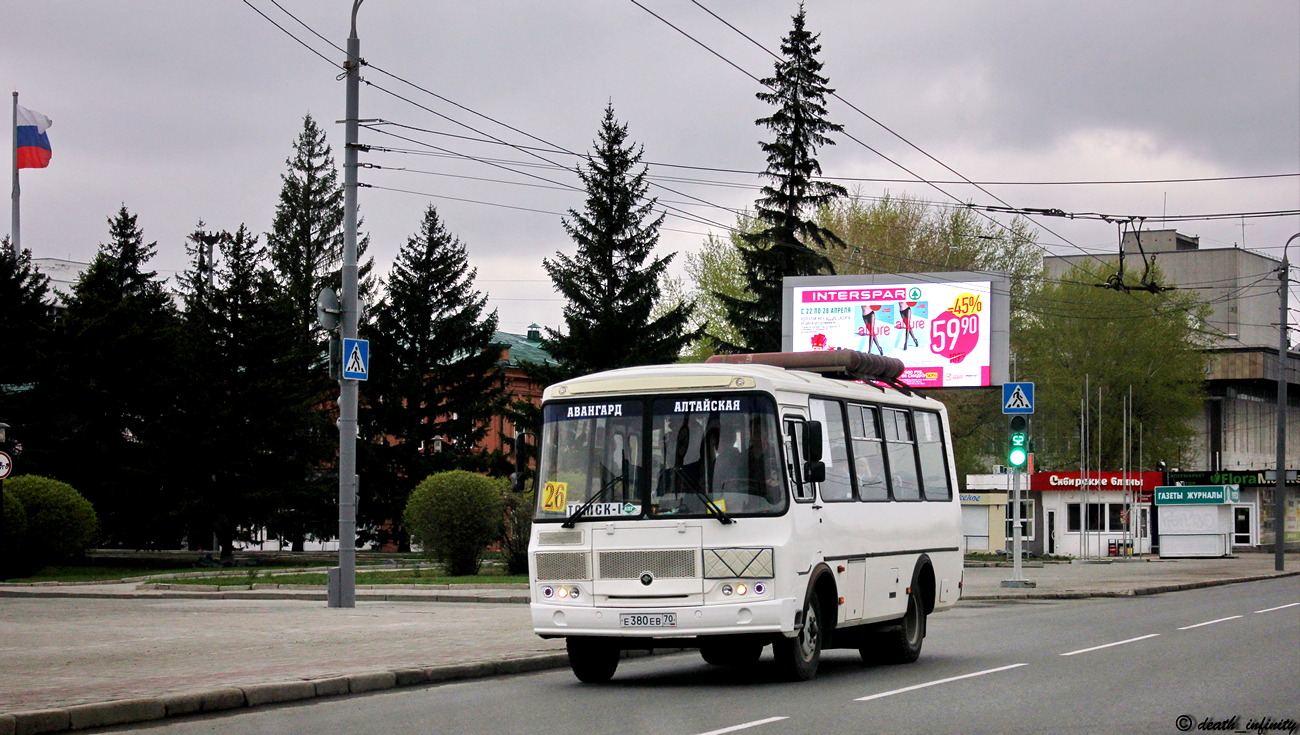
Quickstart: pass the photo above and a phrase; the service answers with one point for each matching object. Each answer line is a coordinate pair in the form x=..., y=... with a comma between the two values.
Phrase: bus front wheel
x=593, y=661
x=797, y=657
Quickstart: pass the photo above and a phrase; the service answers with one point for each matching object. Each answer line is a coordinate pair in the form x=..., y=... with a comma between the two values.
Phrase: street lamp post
x=342, y=590
x=1279, y=488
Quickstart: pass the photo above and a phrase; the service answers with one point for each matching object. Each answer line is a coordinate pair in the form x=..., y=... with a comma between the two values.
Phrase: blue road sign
x=1017, y=398
x=356, y=359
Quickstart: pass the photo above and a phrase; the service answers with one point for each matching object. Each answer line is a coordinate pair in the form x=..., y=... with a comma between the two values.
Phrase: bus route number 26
x=553, y=496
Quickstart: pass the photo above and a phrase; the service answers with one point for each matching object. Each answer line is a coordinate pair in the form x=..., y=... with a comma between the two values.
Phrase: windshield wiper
x=711, y=505
x=581, y=510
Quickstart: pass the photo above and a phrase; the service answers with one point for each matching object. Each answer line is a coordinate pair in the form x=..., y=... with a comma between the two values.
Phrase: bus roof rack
x=849, y=364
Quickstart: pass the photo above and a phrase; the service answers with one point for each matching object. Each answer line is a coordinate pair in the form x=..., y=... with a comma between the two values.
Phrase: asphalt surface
x=81, y=656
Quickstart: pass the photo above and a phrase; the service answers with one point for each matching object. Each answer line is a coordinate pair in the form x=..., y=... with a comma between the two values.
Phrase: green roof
x=521, y=350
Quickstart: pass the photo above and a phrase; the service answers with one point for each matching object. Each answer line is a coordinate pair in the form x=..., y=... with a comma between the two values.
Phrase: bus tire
x=797, y=658
x=593, y=661
x=902, y=644
x=732, y=653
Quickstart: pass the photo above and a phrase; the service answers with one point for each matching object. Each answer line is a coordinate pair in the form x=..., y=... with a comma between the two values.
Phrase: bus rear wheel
x=797, y=657
x=593, y=661
x=901, y=645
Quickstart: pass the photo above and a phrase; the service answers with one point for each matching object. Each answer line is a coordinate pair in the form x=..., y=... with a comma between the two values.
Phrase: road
x=1113, y=665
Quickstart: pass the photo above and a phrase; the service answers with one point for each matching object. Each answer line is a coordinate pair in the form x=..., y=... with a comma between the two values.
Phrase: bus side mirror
x=814, y=471
x=812, y=442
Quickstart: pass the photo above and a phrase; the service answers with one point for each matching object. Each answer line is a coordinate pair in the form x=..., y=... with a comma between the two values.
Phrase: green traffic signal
x=1018, y=451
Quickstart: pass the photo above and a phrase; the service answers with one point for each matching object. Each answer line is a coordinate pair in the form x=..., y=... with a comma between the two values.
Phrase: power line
x=917, y=176
x=288, y=33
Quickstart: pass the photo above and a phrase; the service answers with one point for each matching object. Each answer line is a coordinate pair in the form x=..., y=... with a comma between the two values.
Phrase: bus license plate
x=648, y=620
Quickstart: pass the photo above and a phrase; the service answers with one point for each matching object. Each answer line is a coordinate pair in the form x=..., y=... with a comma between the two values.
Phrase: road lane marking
x=1279, y=607
x=734, y=728
x=1210, y=622
x=940, y=681
x=1111, y=645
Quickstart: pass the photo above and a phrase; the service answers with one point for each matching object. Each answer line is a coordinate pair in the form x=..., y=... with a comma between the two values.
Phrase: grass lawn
x=94, y=573
x=395, y=576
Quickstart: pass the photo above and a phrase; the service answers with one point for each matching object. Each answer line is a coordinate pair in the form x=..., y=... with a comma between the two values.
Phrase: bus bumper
x=768, y=616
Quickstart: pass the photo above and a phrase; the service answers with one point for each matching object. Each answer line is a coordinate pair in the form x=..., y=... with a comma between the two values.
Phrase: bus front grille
x=663, y=564
x=561, y=566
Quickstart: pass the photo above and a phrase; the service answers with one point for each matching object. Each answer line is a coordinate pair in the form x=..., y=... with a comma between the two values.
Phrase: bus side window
x=868, y=456
x=835, y=454
x=934, y=460
x=905, y=476
x=794, y=459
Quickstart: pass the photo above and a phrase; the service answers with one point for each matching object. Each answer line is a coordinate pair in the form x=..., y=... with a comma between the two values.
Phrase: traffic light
x=1018, y=443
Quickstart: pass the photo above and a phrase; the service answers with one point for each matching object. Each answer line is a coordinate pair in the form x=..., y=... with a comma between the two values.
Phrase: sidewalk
x=80, y=656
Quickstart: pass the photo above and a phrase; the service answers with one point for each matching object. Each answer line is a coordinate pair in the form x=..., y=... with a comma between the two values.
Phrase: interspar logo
x=830, y=295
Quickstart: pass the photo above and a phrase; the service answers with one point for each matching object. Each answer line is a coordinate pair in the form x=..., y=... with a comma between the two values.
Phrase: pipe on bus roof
x=858, y=364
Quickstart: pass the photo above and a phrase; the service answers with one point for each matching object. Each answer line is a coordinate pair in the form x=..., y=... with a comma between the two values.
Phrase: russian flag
x=30, y=140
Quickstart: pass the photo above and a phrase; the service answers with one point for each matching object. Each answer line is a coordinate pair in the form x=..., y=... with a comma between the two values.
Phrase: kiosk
x=1196, y=520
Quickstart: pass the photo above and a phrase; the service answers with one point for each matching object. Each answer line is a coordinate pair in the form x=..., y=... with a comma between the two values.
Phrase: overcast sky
x=187, y=111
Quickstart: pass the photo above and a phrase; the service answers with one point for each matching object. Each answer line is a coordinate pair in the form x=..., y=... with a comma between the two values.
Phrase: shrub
x=514, y=532
x=454, y=516
x=12, y=535
x=60, y=523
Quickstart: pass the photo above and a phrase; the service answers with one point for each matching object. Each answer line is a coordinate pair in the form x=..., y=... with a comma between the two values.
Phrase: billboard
x=949, y=329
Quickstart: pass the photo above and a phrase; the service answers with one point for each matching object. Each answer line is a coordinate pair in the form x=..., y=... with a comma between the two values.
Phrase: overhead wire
x=889, y=130
x=555, y=149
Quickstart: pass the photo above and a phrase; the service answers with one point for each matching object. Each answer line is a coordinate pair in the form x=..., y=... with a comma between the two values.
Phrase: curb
x=120, y=712
x=1134, y=592
x=127, y=711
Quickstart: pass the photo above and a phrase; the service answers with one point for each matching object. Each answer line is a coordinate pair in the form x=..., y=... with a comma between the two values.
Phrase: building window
x=1026, y=520
x=1109, y=517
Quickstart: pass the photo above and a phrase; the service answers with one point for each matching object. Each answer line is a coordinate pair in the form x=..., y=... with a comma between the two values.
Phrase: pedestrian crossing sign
x=1017, y=398
x=356, y=359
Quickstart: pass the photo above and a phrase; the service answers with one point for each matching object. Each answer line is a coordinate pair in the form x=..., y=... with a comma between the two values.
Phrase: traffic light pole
x=1020, y=441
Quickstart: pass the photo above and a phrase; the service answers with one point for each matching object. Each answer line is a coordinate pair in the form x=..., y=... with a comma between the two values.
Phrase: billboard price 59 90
x=941, y=331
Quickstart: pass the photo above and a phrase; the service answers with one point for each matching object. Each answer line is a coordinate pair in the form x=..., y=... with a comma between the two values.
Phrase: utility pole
x=1279, y=489
x=342, y=588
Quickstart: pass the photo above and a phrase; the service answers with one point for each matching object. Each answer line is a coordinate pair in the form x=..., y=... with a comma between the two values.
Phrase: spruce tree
x=117, y=385
x=305, y=251
x=26, y=318
x=434, y=385
x=230, y=334
x=613, y=281
x=305, y=244
x=26, y=325
x=784, y=244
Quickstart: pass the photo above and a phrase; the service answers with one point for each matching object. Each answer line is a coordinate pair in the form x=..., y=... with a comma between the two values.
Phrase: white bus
x=747, y=501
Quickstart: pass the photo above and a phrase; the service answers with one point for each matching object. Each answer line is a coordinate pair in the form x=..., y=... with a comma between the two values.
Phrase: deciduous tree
x=1080, y=335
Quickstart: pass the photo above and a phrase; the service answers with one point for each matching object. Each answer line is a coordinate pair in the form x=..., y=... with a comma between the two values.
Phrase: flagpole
x=13, y=229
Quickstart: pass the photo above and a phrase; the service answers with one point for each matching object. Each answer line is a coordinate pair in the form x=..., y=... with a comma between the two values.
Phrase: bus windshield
x=690, y=455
